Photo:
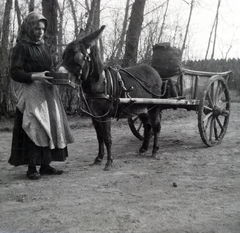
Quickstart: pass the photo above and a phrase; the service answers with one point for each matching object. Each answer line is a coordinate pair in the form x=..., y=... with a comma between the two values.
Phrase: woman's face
x=38, y=31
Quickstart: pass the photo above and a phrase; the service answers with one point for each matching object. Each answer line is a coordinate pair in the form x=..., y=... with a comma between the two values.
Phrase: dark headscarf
x=29, y=23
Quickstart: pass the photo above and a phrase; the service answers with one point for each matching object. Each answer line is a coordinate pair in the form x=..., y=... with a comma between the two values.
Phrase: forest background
x=200, y=29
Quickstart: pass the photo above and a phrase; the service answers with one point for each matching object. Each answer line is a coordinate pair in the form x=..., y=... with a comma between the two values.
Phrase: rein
x=112, y=86
x=108, y=94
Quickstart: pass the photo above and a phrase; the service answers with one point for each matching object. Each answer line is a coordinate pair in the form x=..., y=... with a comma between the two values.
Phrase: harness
x=114, y=87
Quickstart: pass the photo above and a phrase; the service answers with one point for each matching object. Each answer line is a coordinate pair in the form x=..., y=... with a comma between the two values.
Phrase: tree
x=4, y=60
x=18, y=12
x=214, y=26
x=123, y=33
x=49, y=9
x=133, y=33
x=187, y=28
x=215, y=32
x=74, y=17
x=163, y=22
x=31, y=5
x=93, y=22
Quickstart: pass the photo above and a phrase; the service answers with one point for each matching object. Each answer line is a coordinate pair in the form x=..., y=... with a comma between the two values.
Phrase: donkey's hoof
x=142, y=154
x=96, y=162
x=108, y=166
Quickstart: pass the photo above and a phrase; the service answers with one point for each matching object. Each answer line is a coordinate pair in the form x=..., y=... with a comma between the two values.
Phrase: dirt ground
x=137, y=195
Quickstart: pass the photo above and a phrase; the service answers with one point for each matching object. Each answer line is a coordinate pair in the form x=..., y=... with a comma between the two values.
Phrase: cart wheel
x=136, y=127
x=214, y=111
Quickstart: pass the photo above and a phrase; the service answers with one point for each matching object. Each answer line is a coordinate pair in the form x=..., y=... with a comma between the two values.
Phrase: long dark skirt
x=24, y=151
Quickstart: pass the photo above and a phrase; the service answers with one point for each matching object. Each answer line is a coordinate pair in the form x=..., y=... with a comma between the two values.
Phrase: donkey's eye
x=78, y=58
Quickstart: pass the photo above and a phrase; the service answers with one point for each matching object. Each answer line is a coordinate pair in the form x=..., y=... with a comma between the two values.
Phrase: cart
x=206, y=93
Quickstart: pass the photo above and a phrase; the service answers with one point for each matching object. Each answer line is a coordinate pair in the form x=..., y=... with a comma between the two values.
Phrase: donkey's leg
x=107, y=137
x=155, y=118
x=99, y=158
x=147, y=132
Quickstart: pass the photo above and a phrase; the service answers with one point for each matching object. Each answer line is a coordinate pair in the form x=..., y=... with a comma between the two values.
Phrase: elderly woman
x=41, y=131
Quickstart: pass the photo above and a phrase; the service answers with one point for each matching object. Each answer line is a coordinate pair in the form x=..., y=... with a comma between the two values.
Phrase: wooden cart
x=206, y=93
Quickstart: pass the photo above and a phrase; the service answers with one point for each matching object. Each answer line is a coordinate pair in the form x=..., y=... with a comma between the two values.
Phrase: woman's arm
x=17, y=71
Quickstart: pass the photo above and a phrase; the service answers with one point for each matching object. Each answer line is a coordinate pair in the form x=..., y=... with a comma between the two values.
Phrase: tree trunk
x=60, y=30
x=214, y=26
x=18, y=12
x=49, y=9
x=31, y=5
x=209, y=40
x=215, y=32
x=188, y=23
x=74, y=17
x=133, y=33
x=93, y=21
x=123, y=33
x=163, y=22
x=4, y=60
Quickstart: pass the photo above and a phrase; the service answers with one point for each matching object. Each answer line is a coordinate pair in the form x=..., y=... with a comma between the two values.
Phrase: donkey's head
x=78, y=57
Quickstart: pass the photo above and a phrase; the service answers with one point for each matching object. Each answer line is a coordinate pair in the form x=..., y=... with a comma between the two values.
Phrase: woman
x=41, y=131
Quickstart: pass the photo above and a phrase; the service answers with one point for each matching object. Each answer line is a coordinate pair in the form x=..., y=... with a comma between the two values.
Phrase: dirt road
x=137, y=195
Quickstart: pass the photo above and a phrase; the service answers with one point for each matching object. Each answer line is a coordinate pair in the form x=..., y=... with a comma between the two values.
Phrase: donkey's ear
x=90, y=39
x=81, y=34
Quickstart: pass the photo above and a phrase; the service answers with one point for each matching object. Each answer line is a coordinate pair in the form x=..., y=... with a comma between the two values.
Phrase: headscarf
x=29, y=23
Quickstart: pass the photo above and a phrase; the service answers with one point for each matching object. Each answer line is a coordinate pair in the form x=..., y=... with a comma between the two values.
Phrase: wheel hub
x=219, y=111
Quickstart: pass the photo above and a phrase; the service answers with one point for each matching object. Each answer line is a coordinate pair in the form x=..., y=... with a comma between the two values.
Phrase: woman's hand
x=41, y=76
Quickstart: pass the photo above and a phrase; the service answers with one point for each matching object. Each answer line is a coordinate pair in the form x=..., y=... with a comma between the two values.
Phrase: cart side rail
x=205, y=73
x=192, y=83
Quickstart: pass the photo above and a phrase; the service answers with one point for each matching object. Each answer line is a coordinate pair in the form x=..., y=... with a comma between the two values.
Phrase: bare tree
x=49, y=9
x=133, y=33
x=93, y=21
x=188, y=23
x=4, y=59
x=60, y=30
x=163, y=22
x=123, y=32
x=216, y=25
x=18, y=12
x=31, y=5
x=74, y=17
x=213, y=29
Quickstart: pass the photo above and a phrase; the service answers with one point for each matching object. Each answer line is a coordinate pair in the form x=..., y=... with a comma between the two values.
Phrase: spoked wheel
x=214, y=111
x=136, y=127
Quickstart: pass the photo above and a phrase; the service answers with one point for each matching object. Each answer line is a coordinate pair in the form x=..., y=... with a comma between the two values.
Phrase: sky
x=228, y=34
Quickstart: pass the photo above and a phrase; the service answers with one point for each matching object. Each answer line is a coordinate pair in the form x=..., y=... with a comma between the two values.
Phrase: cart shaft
x=158, y=101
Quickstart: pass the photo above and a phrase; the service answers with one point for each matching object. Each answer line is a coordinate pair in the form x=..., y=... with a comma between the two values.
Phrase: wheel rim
x=214, y=112
x=136, y=127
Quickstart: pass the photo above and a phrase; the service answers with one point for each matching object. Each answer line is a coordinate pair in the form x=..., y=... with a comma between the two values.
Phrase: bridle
x=80, y=59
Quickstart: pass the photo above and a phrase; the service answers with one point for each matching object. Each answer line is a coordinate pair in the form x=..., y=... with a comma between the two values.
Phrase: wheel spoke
x=135, y=119
x=207, y=110
x=207, y=120
x=211, y=129
x=215, y=129
x=139, y=127
x=218, y=91
x=219, y=123
x=210, y=99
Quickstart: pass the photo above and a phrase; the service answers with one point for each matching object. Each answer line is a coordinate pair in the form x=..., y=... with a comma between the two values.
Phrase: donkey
x=101, y=87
